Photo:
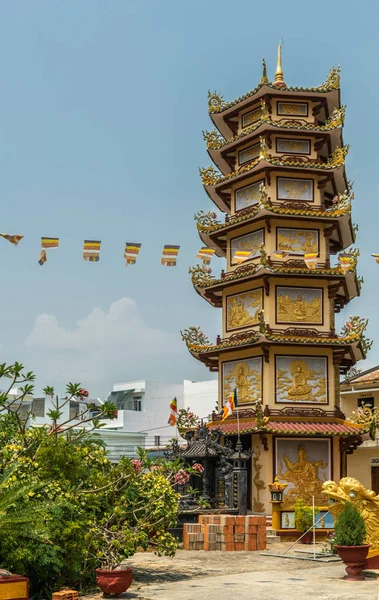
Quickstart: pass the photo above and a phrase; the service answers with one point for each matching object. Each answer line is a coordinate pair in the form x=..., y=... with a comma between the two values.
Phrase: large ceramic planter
x=113, y=582
x=354, y=558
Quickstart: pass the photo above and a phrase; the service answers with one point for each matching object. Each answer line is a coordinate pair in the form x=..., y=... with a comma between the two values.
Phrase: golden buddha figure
x=299, y=309
x=304, y=475
x=242, y=383
x=300, y=389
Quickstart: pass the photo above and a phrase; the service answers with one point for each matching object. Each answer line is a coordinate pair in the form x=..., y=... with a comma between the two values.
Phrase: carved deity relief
x=248, y=154
x=248, y=195
x=293, y=147
x=246, y=377
x=251, y=117
x=301, y=379
x=299, y=305
x=297, y=241
x=243, y=309
x=250, y=242
x=293, y=109
x=295, y=189
x=304, y=466
x=259, y=484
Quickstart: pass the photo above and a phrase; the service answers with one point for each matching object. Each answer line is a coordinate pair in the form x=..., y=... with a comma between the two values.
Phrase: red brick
x=261, y=520
x=229, y=538
x=229, y=520
x=239, y=546
x=240, y=520
x=229, y=546
x=252, y=543
x=252, y=529
x=239, y=529
x=261, y=545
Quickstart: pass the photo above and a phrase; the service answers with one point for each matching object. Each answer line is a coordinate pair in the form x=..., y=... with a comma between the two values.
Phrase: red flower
x=198, y=467
x=181, y=477
x=137, y=464
x=83, y=393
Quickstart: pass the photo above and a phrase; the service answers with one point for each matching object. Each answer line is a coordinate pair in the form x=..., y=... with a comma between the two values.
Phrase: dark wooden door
x=375, y=479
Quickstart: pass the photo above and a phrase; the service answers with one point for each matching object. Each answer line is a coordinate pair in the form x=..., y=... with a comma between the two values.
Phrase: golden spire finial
x=264, y=72
x=279, y=80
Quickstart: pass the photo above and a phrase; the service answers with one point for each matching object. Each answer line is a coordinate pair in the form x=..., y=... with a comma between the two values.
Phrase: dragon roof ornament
x=217, y=104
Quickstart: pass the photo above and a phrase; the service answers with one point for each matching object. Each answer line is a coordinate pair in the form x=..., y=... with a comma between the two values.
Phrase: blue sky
x=102, y=106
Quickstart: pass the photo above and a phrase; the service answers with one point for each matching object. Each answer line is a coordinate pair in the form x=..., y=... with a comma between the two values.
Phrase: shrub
x=350, y=529
x=303, y=515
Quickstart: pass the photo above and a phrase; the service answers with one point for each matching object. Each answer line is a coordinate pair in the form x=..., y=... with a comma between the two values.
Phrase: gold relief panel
x=290, y=188
x=249, y=242
x=251, y=117
x=304, y=465
x=292, y=109
x=293, y=146
x=244, y=375
x=248, y=154
x=247, y=196
x=242, y=310
x=301, y=379
x=297, y=241
x=299, y=305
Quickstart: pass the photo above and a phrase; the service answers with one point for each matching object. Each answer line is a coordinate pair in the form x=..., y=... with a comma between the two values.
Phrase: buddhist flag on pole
x=169, y=255
x=173, y=413
x=131, y=253
x=47, y=243
x=91, y=250
x=241, y=255
x=229, y=406
x=205, y=254
x=12, y=238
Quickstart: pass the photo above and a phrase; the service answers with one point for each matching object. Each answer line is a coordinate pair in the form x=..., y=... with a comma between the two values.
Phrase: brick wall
x=225, y=532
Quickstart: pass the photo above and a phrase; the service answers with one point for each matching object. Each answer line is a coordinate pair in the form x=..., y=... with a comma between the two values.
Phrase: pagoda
x=290, y=266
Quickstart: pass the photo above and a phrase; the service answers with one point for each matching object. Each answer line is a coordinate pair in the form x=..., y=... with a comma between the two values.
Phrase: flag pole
x=238, y=445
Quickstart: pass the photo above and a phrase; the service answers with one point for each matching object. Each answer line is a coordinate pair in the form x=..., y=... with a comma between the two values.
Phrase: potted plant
x=349, y=540
x=303, y=520
x=109, y=578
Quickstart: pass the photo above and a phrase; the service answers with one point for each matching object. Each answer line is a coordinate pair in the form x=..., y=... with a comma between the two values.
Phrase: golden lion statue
x=366, y=501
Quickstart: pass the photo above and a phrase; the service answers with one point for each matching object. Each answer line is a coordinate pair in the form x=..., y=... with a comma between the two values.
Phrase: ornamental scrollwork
x=333, y=79
x=215, y=101
x=213, y=139
x=194, y=336
x=263, y=153
x=206, y=219
x=368, y=417
x=265, y=115
x=264, y=258
x=262, y=325
x=337, y=117
x=201, y=274
x=260, y=419
x=338, y=156
x=356, y=326
x=209, y=176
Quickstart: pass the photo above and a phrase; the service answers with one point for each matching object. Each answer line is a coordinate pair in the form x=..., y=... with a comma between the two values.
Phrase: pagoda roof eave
x=350, y=346
x=347, y=290
x=217, y=154
x=216, y=190
x=230, y=109
x=342, y=235
x=297, y=426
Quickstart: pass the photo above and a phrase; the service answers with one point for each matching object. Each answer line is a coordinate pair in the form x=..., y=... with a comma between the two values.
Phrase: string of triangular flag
x=91, y=253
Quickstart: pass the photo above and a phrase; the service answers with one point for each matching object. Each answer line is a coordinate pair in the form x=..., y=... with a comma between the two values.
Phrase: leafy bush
x=303, y=515
x=350, y=529
x=65, y=509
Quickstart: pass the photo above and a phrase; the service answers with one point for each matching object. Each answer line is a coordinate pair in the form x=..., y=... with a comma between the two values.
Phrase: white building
x=144, y=406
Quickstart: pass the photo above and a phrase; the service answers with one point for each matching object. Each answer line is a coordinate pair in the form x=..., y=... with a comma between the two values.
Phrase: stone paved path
x=241, y=576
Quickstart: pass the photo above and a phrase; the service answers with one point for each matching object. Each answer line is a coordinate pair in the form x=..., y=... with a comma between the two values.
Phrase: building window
x=137, y=403
x=74, y=409
x=366, y=402
x=157, y=440
x=38, y=407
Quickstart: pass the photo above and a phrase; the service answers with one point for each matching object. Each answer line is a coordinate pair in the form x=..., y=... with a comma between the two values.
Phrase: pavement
x=242, y=575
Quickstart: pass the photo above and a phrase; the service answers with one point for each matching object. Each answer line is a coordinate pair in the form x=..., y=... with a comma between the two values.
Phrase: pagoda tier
x=346, y=349
x=225, y=115
x=340, y=287
x=328, y=176
x=336, y=221
x=226, y=154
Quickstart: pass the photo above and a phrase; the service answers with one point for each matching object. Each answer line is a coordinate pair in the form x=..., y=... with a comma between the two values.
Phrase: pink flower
x=181, y=477
x=83, y=393
x=156, y=468
x=137, y=465
x=198, y=467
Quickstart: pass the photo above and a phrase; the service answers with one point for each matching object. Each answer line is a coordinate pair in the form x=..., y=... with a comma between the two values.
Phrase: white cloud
x=104, y=348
